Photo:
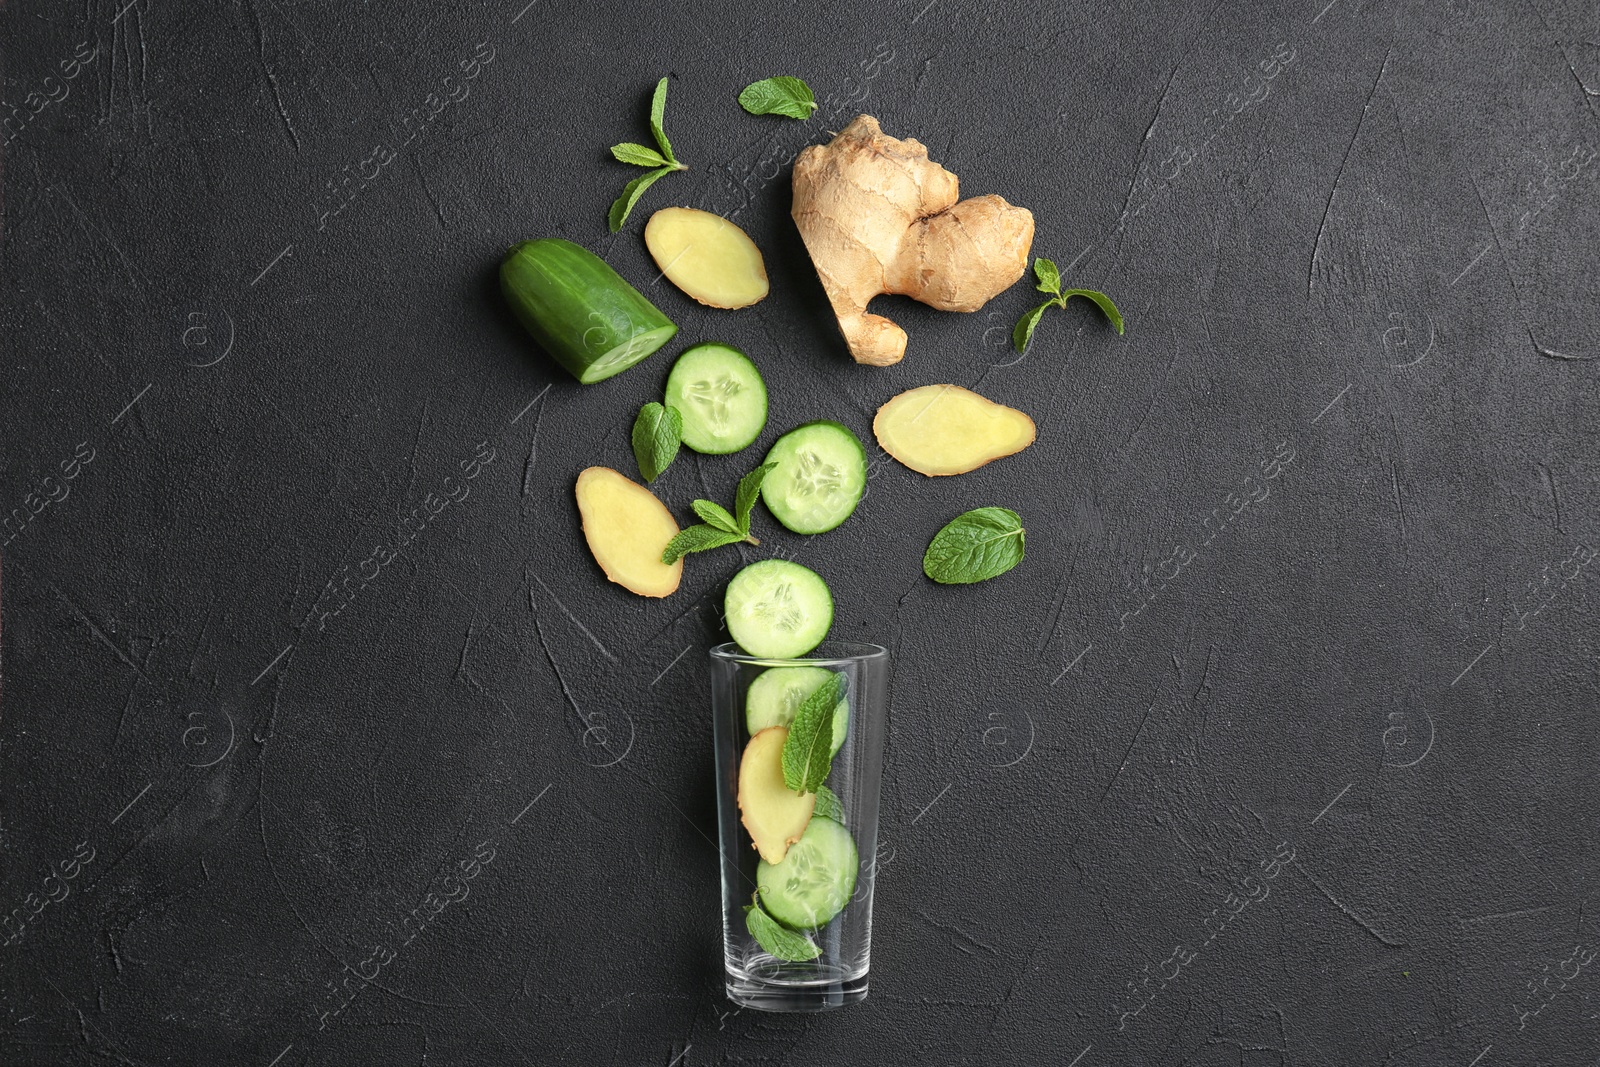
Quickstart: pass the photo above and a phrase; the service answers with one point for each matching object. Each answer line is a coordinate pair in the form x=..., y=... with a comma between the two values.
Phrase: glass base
x=748, y=991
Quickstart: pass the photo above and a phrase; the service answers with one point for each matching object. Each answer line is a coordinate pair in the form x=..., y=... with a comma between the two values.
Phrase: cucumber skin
x=576, y=306
x=859, y=448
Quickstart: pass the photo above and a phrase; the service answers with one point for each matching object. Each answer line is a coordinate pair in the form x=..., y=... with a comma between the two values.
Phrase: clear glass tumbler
x=822, y=872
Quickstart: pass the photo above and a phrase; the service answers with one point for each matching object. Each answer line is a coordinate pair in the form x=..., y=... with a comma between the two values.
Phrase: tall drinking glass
x=820, y=890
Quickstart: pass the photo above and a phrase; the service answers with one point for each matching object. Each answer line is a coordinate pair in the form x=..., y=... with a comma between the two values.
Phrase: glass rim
x=854, y=652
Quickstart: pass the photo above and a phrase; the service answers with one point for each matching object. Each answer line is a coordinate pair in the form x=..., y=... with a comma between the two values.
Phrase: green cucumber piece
x=721, y=397
x=777, y=609
x=582, y=312
x=814, y=881
x=777, y=694
x=822, y=472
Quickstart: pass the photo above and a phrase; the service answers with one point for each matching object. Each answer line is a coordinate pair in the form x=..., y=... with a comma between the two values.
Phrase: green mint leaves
x=744, y=501
x=663, y=162
x=828, y=806
x=718, y=526
x=1050, y=282
x=973, y=547
x=774, y=939
x=782, y=95
x=657, y=433
x=808, y=752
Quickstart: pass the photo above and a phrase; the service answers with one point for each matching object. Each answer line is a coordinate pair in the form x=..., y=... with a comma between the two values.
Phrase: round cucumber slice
x=777, y=694
x=815, y=879
x=822, y=472
x=721, y=397
x=777, y=609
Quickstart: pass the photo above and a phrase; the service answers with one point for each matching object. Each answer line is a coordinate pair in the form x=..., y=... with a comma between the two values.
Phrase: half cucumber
x=814, y=881
x=777, y=609
x=777, y=694
x=721, y=397
x=822, y=472
x=582, y=312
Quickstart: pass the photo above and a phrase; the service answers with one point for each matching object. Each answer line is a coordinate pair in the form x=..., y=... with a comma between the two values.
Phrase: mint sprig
x=719, y=526
x=774, y=939
x=657, y=433
x=783, y=95
x=975, y=546
x=808, y=751
x=1050, y=282
x=663, y=162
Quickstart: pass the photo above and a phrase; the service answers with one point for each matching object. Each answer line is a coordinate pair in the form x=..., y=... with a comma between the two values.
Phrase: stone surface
x=353, y=755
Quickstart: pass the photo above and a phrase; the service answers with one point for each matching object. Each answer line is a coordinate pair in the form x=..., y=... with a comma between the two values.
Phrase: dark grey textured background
x=1376, y=255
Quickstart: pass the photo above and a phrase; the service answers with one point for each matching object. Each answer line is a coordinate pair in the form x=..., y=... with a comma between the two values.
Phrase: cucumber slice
x=582, y=312
x=721, y=397
x=815, y=879
x=777, y=694
x=777, y=609
x=822, y=472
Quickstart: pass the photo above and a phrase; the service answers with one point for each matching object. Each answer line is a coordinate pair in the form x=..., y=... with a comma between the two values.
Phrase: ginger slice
x=774, y=815
x=707, y=257
x=627, y=529
x=945, y=429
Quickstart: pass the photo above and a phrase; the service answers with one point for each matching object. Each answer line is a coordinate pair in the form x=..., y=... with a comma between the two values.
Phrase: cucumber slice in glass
x=721, y=397
x=814, y=881
x=777, y=694
x=822, y=472
x=777, y=609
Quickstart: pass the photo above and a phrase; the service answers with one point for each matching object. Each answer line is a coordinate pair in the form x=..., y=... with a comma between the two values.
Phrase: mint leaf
x=1101, y=300
x=658, y=112
x=808, y=752
x=631, y=192
x=1023, y=333
x=1045, y=270
x=972, y=547
x=828, y=805
x=696, y=539
x=657, y=433
x=749, y=492
x=716, y=515
x=782, y=95
x=775, y=940
x=639, y=155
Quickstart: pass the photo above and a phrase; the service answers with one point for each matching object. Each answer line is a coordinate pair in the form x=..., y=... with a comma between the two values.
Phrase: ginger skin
x=878, y=216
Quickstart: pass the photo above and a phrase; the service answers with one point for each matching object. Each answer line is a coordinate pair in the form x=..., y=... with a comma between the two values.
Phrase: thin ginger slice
x=627, y=529
x=707, y=257
x=774, y=815
x=945, y=429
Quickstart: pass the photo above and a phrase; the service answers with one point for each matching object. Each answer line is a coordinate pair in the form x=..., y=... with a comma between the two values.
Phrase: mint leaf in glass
x=808, y=752
x=777, y=941
x=828, y=806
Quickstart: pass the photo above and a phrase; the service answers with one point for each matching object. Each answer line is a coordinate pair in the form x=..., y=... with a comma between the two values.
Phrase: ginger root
x=878, y=216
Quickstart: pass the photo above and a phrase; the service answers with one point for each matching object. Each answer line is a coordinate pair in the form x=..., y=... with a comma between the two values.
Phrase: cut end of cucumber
x=618, y=359
x=777, y=609
x=821, y=476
